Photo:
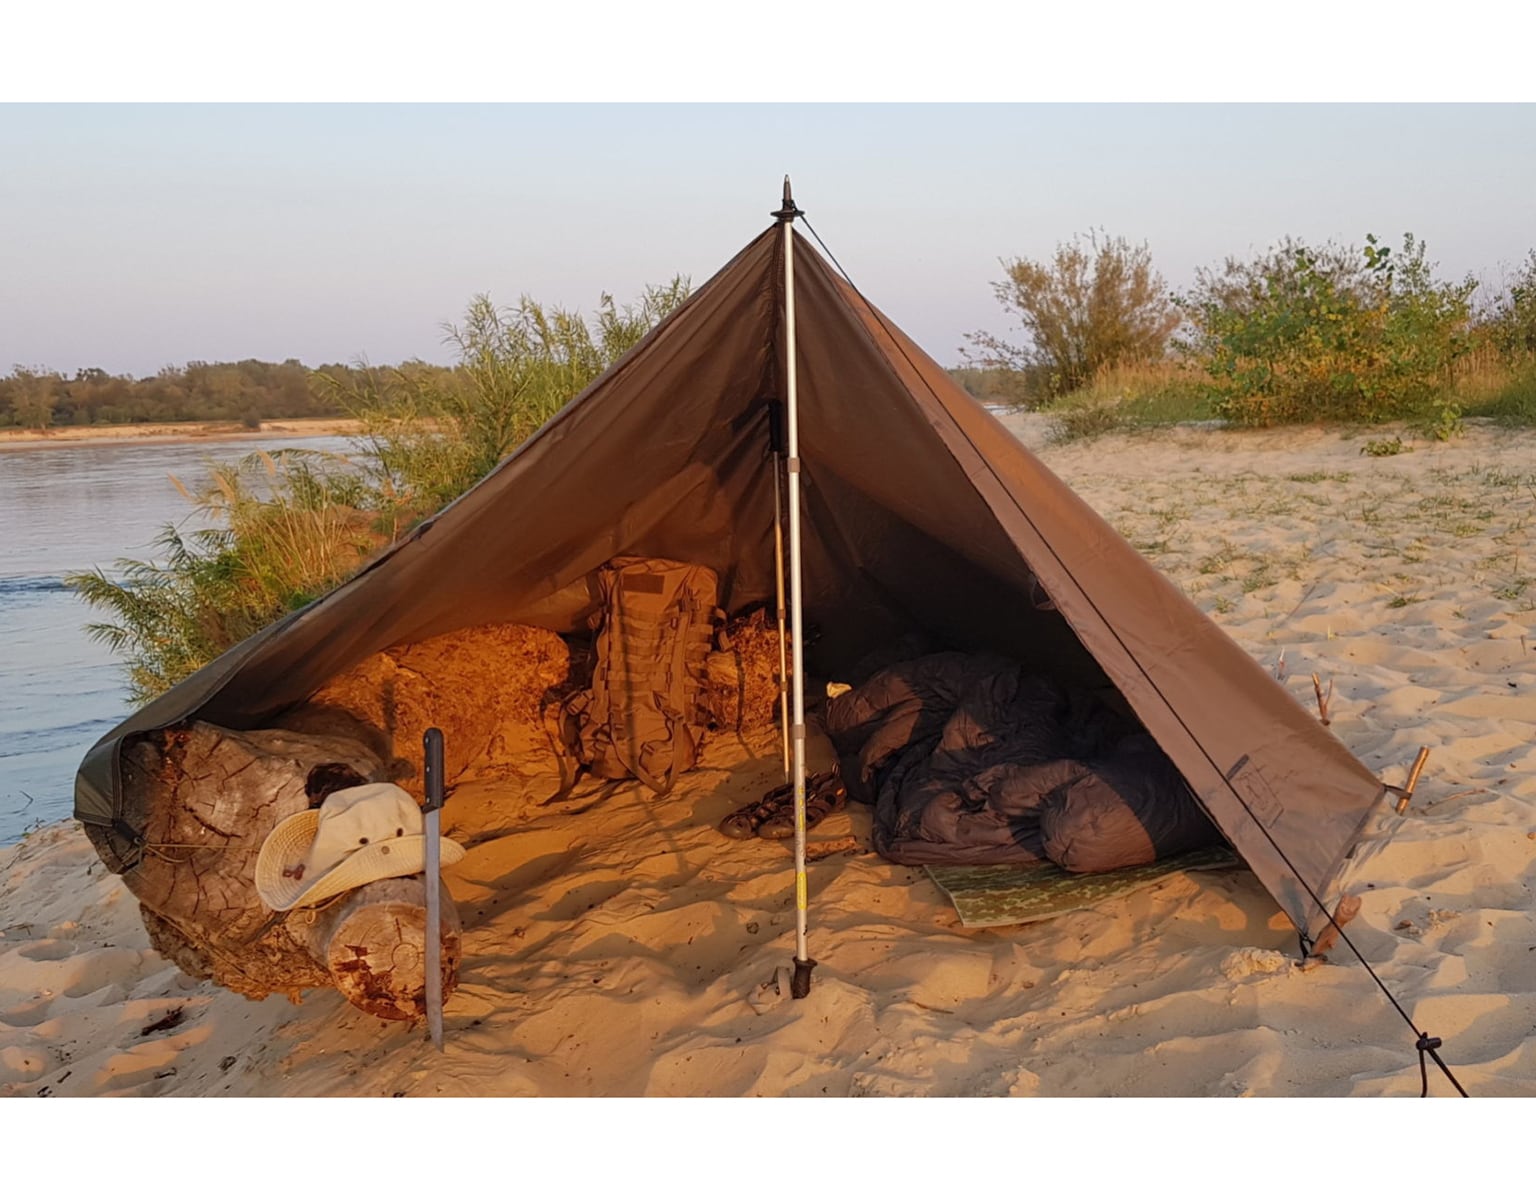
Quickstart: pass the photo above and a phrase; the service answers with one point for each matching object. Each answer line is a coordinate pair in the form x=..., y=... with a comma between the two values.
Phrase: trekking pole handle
x=432, y=768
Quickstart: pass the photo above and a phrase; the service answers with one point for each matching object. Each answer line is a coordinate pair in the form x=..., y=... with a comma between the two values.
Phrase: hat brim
x=289, y=842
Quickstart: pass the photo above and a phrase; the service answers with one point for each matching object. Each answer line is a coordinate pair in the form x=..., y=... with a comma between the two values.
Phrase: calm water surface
x=67, y=508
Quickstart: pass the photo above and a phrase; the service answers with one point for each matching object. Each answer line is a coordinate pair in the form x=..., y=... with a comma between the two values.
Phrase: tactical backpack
x=642, y=716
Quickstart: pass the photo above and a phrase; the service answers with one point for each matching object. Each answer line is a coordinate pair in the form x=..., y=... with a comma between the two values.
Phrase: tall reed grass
x=1497, y=386
x=281, y=529
x=285, y=528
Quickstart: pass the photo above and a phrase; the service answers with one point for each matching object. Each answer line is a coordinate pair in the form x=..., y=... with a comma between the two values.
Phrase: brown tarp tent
x=920, y=511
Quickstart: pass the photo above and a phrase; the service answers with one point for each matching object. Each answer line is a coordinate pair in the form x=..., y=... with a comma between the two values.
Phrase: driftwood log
x=373, y=943
x=204, y=799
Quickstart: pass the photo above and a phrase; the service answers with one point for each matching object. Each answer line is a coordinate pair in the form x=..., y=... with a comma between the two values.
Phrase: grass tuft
x=1145, y=396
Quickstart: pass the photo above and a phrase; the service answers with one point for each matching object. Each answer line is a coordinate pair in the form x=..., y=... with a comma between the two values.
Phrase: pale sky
x=135, y=236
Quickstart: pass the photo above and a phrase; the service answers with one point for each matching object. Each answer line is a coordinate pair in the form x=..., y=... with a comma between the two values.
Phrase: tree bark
x=204, y=800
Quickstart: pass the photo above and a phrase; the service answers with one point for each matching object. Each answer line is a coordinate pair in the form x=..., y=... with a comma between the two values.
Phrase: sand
x=617, y=945
x=167, y=432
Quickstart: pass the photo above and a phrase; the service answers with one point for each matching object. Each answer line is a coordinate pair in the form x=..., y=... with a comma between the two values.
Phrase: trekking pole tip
x=788, y=211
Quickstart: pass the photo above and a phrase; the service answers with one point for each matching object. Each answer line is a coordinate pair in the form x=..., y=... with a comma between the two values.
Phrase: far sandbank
x=167, y=432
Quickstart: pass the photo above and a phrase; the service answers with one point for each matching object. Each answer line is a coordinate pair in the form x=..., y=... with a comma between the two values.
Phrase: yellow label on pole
x=800, y=889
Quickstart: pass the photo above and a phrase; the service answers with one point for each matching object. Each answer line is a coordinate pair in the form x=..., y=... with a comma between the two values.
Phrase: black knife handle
x=432, y=768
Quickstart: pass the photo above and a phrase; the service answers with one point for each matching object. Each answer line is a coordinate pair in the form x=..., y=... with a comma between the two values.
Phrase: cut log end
x=373, y=943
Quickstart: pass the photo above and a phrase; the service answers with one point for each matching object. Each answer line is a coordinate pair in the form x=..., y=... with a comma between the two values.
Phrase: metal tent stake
x=432, y=769
x=800, y=985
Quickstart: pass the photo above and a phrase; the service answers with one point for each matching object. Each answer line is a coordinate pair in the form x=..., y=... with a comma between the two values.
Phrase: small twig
x=820, y=850
x=1462, y=795
x=1322, y=700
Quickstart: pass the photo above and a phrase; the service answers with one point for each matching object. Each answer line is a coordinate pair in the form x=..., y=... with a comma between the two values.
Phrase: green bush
x=1385, y=447
x=1331, y=334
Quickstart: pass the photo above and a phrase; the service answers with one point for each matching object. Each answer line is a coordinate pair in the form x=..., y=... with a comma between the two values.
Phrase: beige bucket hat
x=358, y=835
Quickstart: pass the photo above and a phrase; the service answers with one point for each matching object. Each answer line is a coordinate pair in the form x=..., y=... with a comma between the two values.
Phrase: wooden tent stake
x=1405, y=793
x=1322, y=700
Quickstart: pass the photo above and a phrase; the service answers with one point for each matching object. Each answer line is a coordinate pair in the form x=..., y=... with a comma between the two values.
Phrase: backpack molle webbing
x=642, y=717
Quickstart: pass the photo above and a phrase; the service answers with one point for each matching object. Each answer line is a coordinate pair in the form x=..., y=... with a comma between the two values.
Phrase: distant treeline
x=248, y=392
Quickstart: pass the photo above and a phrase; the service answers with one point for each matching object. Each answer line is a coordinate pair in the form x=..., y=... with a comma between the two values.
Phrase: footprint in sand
x=105, y=968
x=25, y=1016
x=19, y=1065
x=48, y=950
x=143, y=1070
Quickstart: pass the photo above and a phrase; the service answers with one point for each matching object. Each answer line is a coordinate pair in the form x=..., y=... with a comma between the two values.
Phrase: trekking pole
x=432, y=770
x=800, y=985
x=776, y=441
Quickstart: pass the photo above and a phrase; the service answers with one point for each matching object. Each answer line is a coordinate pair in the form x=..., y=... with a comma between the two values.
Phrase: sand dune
x=631, y=950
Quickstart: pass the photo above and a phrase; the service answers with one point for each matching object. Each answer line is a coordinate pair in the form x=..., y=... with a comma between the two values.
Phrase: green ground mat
x=987, y=896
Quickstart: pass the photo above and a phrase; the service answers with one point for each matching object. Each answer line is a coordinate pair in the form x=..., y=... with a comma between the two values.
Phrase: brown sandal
x=825, y=794
x=749, y=818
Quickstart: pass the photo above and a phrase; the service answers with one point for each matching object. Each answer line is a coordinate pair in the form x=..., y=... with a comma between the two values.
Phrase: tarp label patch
x=1263, y=803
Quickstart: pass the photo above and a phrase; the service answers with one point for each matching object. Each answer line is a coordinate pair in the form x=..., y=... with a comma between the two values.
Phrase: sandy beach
x=631, y=950
x=165, y=433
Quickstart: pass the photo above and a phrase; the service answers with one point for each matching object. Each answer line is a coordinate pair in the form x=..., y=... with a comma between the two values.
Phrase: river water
x=65, y=508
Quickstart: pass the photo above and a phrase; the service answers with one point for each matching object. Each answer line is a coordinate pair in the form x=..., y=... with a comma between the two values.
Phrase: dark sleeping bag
x=1128, y=809
x=970, y=760
x=898, y=708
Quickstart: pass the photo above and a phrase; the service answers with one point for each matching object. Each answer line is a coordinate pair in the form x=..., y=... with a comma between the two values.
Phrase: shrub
x=1096, y=304
x=1303, y=334
x=1385, y=447
x=1088, y=419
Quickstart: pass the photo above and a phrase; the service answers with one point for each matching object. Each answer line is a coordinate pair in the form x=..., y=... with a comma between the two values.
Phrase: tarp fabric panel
x=919, y=509
x=1241, y=741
